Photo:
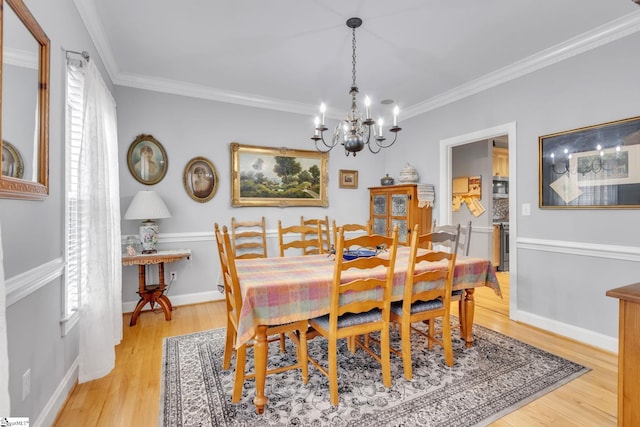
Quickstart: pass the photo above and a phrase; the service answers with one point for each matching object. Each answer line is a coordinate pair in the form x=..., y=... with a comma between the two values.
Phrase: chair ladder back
x=310, y=238
x=441, y=237
x=343, y=285
x=249, y=238
x=229, y=274
x=349, y=228
x=325, y=235
x=443, y=276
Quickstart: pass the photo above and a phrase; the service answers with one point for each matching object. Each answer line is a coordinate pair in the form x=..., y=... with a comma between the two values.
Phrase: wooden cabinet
x=500, y=162
x=628, y=354
x=496, y=245
x=397, y=205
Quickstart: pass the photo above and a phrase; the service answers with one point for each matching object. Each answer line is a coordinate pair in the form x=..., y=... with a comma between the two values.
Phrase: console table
x=153, y=293
x=628, y=354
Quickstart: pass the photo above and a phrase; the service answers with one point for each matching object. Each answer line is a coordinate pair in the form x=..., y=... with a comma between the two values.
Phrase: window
x=75, y=256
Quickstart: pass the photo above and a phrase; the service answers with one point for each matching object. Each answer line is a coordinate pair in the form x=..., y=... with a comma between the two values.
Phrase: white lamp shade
x=146, y=204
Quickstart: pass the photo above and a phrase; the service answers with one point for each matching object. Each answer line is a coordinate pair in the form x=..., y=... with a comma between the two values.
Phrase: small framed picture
x=12, y=164
x=348, y=179
x=147, y=160
x=200, y=179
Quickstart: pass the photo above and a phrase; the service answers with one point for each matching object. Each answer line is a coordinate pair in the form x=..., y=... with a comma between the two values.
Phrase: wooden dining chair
x=249, y=239
x=308, y=239
x=465, y=236
x=464, y=241
x=366, y=228
x=297, y=331
x=358, y=306
x=427, y=296
x=324, y=228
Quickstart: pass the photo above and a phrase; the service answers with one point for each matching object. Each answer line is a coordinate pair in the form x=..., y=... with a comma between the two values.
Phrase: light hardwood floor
x=129, y=396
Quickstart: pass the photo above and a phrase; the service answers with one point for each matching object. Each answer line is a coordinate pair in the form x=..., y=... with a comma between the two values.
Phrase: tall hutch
x=397, y=205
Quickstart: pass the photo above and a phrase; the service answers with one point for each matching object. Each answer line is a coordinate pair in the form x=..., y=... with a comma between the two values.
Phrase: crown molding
x=607, y=33
x=177, y=87
x=89, y=15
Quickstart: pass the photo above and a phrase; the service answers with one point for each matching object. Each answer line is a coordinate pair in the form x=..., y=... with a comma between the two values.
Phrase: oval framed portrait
x=200, y=179
x=12, y=164
x=147, y=160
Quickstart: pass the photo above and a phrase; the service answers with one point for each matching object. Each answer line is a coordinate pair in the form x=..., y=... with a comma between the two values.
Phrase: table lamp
x=147, y=205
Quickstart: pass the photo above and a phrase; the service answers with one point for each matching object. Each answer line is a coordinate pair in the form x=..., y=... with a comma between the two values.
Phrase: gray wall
x=33, y=243
x=187, y=128
x=567, y=259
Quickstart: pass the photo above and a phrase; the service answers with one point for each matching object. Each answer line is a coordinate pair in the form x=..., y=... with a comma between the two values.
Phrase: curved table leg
x=260, y=360
x=134, y=317
x=469, y=307
x=166, y=306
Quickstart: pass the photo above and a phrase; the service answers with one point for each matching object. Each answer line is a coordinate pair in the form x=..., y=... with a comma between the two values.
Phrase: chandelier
x=355, y=131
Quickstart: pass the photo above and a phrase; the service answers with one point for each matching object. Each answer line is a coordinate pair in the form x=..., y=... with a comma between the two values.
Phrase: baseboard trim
x=59, y=397
x=582, y=335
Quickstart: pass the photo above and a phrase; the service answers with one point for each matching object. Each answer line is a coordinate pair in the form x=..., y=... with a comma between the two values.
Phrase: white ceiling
x=290, y=55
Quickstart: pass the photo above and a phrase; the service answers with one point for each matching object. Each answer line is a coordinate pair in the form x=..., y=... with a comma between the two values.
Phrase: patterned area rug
x=494, y=377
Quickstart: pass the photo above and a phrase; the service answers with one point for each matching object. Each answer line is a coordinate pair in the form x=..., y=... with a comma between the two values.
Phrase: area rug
x=495, y=376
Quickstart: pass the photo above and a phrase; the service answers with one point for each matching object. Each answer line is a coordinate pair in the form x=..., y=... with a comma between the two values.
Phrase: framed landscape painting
x=263, y=176
x=591, y=167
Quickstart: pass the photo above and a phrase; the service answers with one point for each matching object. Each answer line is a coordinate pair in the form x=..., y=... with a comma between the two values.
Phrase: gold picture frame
x=147, y=160
x=591, y=167
x=200, y=179
x=348, y=179
x=264, y=176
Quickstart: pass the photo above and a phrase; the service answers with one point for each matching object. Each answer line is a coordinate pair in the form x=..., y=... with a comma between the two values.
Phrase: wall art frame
x=200, y=179
x=35, y=182
x=265, y=176
x=147, y=160
x=591, y=167
x=12, y=163
x=348, y=179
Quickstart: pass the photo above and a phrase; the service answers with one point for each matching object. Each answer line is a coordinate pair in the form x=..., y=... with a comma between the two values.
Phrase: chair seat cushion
x=351, y=319
x=457, y=292
x=417, y=307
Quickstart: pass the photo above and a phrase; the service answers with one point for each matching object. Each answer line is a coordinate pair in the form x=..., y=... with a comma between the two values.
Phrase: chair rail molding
x=597, y=250
x=24, y=284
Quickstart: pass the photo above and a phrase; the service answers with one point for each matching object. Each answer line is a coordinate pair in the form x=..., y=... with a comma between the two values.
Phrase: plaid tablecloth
x=286, y=289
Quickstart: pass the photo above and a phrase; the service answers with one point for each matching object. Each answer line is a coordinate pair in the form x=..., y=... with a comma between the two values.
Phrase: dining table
x=281, y=290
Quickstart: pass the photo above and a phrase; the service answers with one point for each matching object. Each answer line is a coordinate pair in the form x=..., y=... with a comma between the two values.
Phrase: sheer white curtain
x=100, y=299
x=4, y=356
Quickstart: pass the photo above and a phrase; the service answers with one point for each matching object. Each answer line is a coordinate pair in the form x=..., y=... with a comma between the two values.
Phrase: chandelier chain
x=353, y=57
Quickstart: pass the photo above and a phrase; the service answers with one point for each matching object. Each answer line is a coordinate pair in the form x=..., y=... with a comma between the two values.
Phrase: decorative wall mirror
x=24, y=91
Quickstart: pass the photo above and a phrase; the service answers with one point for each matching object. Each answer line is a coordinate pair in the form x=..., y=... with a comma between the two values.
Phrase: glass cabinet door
x=399, y=205
x=380, y=226
x=380, y=204
x=402, y=229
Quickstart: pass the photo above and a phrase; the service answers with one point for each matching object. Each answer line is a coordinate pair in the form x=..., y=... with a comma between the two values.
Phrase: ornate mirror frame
x=15, y=188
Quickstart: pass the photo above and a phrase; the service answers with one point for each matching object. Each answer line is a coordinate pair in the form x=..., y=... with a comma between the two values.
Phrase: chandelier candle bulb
x=395, y=116
x=323, y=108
x=367, y=104
x=380, y=123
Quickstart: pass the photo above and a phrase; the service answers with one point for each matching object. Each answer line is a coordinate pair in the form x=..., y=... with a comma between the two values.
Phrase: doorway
x=444, y=197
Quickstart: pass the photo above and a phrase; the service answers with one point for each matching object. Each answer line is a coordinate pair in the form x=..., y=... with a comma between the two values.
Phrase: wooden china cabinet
x=398, y=205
